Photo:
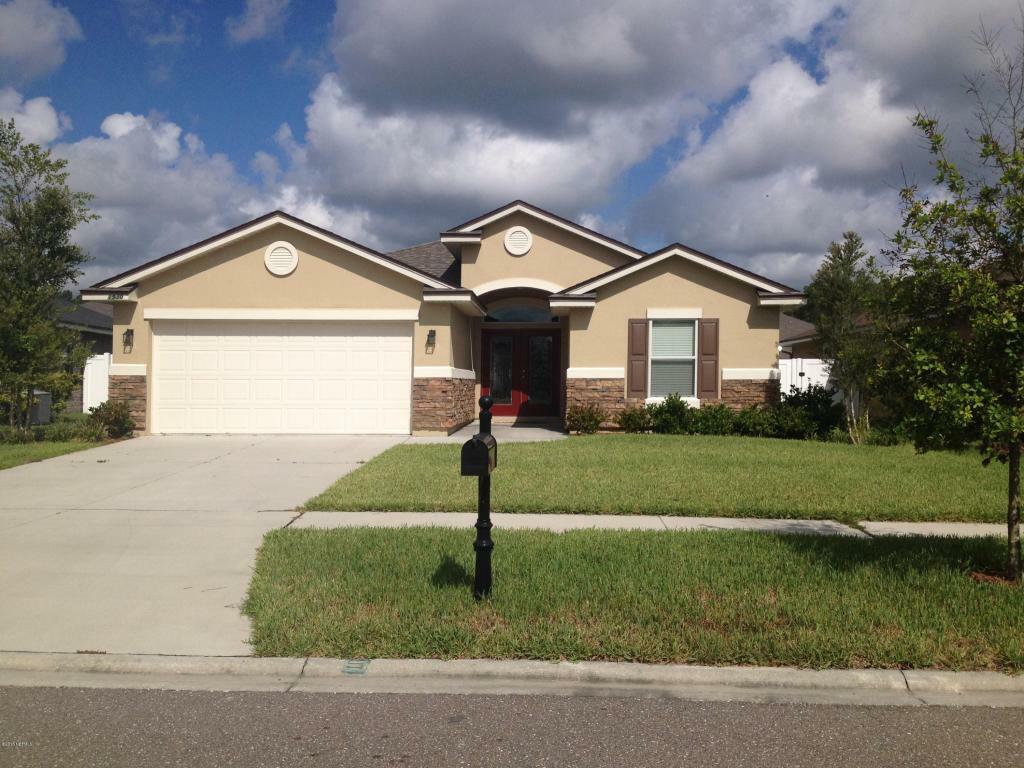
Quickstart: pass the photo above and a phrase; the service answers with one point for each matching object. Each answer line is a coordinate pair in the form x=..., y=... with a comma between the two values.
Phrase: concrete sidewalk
x=560, y=523
x=890, y=687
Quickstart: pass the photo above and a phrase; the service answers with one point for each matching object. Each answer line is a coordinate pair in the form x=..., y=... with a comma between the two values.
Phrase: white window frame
x=692, y=401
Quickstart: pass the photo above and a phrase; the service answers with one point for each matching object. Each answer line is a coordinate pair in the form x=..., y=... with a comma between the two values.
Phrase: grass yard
x=24, y=453
x=685, y=475
x=697, y=597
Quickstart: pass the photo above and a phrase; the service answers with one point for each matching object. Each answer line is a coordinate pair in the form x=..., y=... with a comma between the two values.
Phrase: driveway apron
x=147, y=546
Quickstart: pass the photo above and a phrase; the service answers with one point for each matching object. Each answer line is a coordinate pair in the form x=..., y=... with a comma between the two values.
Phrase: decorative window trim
x=683, y=313
x=514, y=249
x=596, y=373
x=651, y=359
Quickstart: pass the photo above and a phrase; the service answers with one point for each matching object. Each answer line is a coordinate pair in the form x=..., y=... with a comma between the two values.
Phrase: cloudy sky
x=757, y=131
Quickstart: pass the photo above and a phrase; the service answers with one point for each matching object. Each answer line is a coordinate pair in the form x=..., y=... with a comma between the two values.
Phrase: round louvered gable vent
x=518, y=241
x=281, y=258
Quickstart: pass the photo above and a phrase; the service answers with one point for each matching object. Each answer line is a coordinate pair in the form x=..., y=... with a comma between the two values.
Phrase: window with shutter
x=673, y=358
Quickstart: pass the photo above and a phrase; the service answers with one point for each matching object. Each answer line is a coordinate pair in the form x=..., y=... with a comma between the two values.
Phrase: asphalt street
x=140, y=728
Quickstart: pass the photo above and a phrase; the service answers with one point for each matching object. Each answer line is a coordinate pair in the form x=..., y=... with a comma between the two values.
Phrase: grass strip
x=694, y=597
x=686, y=475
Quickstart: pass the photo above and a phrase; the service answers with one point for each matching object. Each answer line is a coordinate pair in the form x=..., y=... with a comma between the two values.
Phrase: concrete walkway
x=560, y=523
x=563, y=523
x=958, y=530
x=503, y=433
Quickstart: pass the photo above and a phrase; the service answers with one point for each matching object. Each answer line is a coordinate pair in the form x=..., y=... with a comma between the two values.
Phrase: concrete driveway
x=147, y=546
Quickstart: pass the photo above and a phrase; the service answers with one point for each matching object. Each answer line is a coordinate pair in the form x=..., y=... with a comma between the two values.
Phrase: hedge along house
x=281, y=326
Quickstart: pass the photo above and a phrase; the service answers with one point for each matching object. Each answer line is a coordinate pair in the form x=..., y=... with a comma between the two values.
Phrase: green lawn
x=24, y=453
x=686, y=475
x=699, y=597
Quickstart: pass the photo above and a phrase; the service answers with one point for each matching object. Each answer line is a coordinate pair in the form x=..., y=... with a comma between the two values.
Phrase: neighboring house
x=281, y=326
x=800, y=363
x=797, y=338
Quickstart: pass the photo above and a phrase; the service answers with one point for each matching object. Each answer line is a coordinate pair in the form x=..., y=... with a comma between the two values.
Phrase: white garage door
x=330, y=377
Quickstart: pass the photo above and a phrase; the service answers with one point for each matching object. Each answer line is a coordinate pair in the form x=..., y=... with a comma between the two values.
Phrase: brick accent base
x=609, y=394
x=132, y=390
x=739, y=393
x=442, y=405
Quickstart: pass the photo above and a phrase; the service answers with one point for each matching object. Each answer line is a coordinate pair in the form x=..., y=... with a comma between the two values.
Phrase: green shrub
x=887, y=436
x=838, y=435
x=717, y=419
x=14, y=436
x=585, y=419
x=671, y=416
x=66, y=430
x=791, y=422
x=818, y=403
x=635, y=418
x=114, y=417
x=754, y=421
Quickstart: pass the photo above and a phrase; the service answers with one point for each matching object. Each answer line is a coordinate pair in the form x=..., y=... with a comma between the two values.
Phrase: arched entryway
x=522, y=355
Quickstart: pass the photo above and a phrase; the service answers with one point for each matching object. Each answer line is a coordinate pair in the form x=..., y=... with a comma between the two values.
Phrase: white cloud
x=33, y=36
x=535, y=63
x=155, y=190
x=354, y=155
x=36, y=119
x=799, y=160
x=259, y=19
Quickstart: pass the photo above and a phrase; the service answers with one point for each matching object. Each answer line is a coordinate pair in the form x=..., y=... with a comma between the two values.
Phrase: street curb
x=480, y=675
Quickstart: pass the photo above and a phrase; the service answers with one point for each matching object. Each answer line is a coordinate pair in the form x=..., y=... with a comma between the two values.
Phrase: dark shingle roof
x=794, y=328
x=434, y=258
x=98, y=317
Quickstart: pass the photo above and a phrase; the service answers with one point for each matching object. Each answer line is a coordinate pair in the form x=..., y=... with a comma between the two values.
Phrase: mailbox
x=479, y=455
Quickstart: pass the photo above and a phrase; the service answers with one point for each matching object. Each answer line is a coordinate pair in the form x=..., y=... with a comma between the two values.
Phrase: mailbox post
x=479, y=458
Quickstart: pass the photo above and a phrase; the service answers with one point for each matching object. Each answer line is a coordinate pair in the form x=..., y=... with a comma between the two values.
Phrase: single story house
x=281, y=326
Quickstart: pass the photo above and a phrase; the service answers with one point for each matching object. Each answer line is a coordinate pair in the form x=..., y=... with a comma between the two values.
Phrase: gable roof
x=434, y=258
x=679, y=250
x=521, y=206
x=258, y=224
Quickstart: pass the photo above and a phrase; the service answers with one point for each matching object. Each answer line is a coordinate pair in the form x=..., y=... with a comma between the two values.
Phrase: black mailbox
x=479, y=455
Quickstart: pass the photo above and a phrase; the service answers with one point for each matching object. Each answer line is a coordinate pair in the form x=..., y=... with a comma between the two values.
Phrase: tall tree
x=38, y=213
x=838, y=303
x=955, y=320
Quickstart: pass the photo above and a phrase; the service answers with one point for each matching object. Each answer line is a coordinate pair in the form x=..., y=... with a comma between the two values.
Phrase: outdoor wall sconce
x=128, y=339
x=431, y=341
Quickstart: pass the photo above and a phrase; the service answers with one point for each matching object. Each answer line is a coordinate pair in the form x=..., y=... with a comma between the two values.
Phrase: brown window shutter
x=636, y=368
x=707, y=363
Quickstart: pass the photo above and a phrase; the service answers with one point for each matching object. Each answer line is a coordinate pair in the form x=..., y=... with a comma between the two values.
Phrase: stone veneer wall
x=132, y=390
x=739, y=393
x=442, y=405
x=610, y=394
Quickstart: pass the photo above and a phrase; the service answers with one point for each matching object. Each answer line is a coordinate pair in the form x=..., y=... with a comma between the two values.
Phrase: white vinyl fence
x=95, y=380
x=802, y=372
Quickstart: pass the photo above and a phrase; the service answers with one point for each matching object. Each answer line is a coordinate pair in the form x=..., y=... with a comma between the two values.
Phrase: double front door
x=520, y=371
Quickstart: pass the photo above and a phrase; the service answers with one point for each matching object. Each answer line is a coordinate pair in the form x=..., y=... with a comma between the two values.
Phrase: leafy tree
x=955, y=322
x=38, y=213
x=838, y=303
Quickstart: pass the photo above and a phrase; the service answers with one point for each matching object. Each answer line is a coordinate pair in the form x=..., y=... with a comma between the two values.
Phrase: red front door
x=520, y=371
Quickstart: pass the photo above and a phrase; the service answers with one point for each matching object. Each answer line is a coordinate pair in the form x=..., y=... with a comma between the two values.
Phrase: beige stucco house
x=281, y=326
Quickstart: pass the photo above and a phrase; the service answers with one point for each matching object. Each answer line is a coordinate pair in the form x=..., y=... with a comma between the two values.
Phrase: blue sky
x=754, y=132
